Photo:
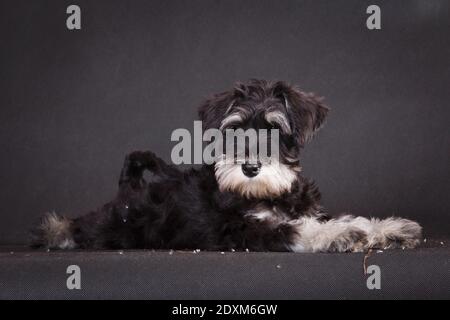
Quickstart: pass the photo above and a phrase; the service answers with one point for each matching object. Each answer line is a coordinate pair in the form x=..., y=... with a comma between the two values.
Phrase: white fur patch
x=278, y=117
x=348, y=233
x=273, y=179
x=234, y=118
x=272, y=215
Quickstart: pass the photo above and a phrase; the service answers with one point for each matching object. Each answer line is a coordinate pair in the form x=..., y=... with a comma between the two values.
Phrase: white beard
x=273, y=179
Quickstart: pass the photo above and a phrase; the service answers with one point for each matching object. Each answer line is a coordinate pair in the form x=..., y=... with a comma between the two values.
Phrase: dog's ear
x=214, y=109
x=306, y=111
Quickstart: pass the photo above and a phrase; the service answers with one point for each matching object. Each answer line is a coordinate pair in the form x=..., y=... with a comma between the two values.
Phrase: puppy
x=259, y=206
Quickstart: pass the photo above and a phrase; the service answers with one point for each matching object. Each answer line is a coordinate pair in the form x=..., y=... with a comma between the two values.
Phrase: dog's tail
x=53, y=232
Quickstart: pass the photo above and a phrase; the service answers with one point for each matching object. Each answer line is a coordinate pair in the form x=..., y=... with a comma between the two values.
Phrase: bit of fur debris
x=120, y=252
x=366, y=257
x=221, y=252
x=380, y=251
x=425, y=240
x=171, y=252
x=232, y=250
x=278, y=266
x=246, y=250
x=442, y=243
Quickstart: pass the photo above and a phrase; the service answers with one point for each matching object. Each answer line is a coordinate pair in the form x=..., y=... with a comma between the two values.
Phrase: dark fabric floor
x=423, y=273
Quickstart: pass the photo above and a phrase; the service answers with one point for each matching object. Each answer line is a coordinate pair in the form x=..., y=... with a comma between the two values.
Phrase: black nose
x=251, y=170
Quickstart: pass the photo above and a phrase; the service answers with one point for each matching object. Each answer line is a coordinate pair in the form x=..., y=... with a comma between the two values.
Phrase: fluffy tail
x=54, y=232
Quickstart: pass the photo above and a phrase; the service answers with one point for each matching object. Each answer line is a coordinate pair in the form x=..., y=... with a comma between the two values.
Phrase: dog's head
x=264, y=105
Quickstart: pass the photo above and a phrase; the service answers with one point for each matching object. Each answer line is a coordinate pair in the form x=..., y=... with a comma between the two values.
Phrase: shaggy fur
x=267, y=206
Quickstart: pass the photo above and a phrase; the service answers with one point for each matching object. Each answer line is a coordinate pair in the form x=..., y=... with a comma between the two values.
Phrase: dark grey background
x=73, y=103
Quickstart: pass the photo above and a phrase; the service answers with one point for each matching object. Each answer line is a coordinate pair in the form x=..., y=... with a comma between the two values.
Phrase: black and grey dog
x=224, y=206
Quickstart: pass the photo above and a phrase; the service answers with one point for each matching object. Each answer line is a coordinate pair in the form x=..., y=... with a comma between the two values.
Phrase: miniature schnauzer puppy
x=240, y=205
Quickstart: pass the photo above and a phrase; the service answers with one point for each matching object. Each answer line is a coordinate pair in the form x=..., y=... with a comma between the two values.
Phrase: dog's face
x=264, y=105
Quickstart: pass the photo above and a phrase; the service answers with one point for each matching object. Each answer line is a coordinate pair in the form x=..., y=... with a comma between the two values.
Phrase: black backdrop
x=72, y=103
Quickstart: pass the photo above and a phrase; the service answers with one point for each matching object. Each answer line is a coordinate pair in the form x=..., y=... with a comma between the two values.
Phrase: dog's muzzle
x=251, y=169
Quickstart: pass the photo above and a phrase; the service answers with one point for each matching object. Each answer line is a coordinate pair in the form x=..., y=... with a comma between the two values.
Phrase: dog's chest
x=263, y=213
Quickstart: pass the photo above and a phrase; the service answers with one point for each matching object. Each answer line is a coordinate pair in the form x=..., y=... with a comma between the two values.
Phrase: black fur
x=191, y=210
x=186, y=210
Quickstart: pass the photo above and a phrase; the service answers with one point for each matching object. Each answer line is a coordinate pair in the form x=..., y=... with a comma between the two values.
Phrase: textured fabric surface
x=422, y=273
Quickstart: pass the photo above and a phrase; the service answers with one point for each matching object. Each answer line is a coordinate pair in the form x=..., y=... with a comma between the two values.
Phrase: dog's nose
x=251, y=169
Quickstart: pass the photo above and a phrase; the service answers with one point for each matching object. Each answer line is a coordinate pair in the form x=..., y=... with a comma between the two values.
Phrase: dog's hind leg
x=101, y=228
x=133, y=186
x=137, y=162
x=58, y=232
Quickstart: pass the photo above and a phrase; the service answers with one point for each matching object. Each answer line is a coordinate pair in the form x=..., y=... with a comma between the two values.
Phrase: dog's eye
x=273, y=126
x=233, y=127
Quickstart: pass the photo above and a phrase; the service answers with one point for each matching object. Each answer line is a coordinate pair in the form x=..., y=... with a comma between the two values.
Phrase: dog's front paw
x=395, y=233
x=331, y=236
x=351, y=240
